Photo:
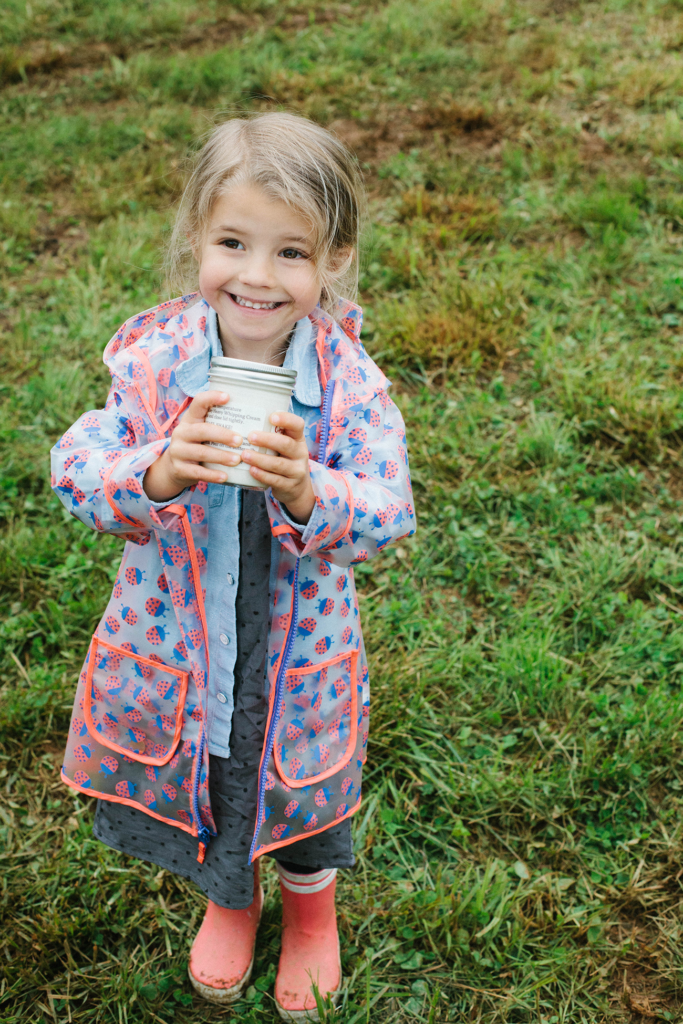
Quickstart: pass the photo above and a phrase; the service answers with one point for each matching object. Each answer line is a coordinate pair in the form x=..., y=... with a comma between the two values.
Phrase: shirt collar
x=302, y=357
x=193, y=374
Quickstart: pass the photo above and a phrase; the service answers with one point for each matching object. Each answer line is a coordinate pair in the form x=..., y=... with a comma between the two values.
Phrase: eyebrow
x=224, y=229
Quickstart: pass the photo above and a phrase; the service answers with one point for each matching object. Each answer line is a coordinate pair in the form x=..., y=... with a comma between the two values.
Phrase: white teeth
x=254, y=305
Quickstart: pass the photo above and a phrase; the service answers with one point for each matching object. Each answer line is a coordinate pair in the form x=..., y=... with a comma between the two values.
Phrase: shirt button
x=224, y=639
x=229, y=578
x=222, y=698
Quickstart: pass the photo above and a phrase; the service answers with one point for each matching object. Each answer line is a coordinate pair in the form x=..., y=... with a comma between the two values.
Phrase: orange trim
x=128, y=802
x=148, y=409
x=297, y=839
x=87, y=702
x=151, y=384
x=285, y=528
x=115, y=508
x=342, y=762
x=181, y=511
x=179, y=411
x=352, y=508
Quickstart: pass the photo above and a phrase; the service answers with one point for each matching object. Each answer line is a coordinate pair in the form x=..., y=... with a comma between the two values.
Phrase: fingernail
x=236, y=439
x=275, y=418
x=233, y=459
x=252, y=437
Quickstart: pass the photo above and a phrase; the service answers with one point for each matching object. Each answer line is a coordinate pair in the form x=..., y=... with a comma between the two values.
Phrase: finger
x=283, y=443
x=201, y=403
x=193, y=473
x=278, y=483
x=200, y=431
x=290, y=423
x=290, y=468
x=205, y=453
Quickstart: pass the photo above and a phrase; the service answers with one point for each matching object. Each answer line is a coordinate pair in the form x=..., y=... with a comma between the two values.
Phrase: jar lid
x=225, y=363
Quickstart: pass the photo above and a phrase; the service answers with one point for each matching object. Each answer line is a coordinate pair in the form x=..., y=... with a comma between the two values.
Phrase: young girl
x=225, y=692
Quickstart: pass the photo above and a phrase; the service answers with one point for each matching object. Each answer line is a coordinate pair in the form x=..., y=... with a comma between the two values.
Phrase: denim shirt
x=224, y=516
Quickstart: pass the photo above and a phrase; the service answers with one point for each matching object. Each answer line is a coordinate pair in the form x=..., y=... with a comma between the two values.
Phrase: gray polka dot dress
x=226, y=876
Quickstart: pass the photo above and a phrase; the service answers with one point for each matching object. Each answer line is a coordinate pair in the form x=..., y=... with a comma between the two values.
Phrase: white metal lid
x=225, y=363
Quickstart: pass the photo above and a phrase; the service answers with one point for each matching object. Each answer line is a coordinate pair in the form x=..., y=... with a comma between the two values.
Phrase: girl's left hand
x=287, y=472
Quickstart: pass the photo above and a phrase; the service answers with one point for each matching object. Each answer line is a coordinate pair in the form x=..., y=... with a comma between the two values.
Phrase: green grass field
x=520, y=843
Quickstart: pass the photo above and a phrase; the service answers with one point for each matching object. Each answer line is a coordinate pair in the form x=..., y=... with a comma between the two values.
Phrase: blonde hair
x=294, y=161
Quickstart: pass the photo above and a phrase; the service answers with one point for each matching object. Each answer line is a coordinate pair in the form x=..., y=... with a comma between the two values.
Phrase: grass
x=520, y=841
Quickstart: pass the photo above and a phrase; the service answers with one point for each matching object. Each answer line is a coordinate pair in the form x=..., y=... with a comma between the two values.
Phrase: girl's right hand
x=181, y=464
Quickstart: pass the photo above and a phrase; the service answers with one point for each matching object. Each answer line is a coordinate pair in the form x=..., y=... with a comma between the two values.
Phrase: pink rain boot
x=310, y=944
x=222, y=954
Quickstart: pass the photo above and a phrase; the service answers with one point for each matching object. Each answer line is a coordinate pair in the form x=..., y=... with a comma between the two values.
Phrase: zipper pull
x=204, y=837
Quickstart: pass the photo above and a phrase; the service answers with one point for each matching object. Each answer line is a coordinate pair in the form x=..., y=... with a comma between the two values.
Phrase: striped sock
x=306, y=883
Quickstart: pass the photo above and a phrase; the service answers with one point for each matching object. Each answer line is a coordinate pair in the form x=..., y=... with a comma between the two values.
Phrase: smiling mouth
x=251, y=304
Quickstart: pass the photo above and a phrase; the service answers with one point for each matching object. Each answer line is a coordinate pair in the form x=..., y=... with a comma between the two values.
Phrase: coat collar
x=192, y=375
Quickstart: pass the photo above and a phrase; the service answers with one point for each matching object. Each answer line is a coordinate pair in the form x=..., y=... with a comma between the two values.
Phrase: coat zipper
x=289, y=641
x=325, y=424
x=203, y=833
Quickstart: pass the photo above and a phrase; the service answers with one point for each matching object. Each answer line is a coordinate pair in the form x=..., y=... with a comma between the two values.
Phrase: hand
x=180, y=465
x=286, y=472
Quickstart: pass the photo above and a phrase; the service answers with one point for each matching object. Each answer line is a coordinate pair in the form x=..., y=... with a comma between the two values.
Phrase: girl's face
x=256, y=270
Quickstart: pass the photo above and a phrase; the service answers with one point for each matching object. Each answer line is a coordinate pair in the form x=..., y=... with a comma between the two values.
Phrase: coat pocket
x=318, y=723
x=133, y=705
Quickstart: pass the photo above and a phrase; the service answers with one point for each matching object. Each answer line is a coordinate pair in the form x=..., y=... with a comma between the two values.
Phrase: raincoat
x=137, y=734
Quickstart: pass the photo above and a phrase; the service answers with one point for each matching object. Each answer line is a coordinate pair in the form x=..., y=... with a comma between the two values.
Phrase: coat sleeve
x=363, y=496
x=99, y=464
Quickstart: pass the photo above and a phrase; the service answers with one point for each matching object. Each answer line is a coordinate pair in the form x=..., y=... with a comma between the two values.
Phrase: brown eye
x=231, y=243
x=293, y=254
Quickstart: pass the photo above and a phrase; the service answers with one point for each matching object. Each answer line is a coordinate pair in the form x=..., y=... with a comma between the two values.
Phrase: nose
x=257, y=271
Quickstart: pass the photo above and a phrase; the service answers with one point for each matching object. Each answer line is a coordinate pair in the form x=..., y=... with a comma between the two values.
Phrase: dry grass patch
x=417, y=337
x=473, y=217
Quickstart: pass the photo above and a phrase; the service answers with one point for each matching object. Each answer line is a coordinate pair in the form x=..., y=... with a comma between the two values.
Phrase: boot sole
x=222, y=996
x=225, y=996
x=304, y=1016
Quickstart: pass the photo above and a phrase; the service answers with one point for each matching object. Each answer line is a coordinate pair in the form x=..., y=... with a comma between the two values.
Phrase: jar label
x=239, y=419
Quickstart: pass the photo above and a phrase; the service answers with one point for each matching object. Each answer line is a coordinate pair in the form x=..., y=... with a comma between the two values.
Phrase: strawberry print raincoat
x=137, y=734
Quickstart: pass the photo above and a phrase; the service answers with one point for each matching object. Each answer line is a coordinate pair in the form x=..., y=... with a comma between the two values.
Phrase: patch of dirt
x=302, y=20
x=561, y=7
x=57, y=240
x=46, y=57
x=454, y=117
x=377, y=141
x=643, y=996
x=640, y=982
x=540, y=55
x=674, y=482
x=593, y=149
x=395, y=129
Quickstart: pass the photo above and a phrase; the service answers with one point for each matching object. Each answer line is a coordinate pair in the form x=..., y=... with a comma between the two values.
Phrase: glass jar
x=256, y=391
